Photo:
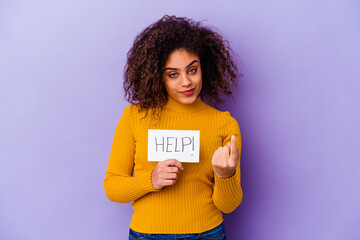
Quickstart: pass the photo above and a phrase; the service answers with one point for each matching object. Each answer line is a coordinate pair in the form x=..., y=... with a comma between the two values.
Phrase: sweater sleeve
x=119, y=183
x=227, y=194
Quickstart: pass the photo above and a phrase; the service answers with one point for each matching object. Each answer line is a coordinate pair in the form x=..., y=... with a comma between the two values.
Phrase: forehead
x=180, y=59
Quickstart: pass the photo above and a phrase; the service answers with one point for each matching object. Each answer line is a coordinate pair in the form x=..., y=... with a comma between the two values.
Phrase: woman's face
x=182, y=76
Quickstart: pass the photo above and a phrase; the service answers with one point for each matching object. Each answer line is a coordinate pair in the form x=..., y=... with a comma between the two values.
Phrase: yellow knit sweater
x=194, y=203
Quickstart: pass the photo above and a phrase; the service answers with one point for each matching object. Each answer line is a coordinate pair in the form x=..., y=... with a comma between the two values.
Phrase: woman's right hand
x=166, y=173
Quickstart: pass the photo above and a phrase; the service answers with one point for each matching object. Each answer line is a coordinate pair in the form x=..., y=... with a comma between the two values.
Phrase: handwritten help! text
x=183, y=145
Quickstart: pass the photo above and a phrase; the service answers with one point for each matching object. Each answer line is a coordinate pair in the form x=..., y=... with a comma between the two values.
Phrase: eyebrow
x=178, y=69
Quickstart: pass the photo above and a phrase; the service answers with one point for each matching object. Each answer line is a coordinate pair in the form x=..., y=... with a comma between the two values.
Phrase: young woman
x=173, y=68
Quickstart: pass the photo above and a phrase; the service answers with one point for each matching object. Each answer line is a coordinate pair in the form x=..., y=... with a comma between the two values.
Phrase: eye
x=173, y=75
x=193, y=70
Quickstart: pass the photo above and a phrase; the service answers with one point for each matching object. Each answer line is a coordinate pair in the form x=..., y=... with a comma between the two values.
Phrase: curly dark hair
x=143, y=78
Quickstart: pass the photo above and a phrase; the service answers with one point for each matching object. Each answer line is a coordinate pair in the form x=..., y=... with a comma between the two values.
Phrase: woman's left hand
x=225, y=159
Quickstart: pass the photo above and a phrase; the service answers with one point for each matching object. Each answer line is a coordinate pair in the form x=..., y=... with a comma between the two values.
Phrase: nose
x=186, y=81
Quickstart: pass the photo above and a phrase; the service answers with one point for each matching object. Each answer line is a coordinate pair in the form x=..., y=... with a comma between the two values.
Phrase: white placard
x=183, y=145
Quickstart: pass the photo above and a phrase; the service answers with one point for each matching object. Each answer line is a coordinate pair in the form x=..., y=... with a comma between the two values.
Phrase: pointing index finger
x=233, y=145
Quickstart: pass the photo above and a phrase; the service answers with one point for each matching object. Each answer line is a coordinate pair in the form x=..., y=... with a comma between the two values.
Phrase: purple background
x=61, y=65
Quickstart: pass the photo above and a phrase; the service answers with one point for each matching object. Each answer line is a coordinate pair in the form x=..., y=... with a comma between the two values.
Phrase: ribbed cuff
x=226, y=185
x=225, y=178
x=146, y=178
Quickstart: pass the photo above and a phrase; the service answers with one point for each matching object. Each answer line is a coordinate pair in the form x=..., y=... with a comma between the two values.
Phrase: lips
x=188, y=92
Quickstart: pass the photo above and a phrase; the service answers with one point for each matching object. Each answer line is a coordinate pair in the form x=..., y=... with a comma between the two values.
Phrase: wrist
x=154, y=185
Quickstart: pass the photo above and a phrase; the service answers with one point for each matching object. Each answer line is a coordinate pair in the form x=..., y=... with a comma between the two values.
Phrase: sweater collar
x=176, y=106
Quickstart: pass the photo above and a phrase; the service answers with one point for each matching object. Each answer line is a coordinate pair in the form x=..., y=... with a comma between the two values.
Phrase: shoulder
x=228, y=117
x=136, y=114
x=224, y=120
x=129, y=113
x=222, y=116
x=132, y=110
x=128, y=110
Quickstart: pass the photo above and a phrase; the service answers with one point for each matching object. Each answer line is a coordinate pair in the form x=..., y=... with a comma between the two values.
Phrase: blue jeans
x=217, y=233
